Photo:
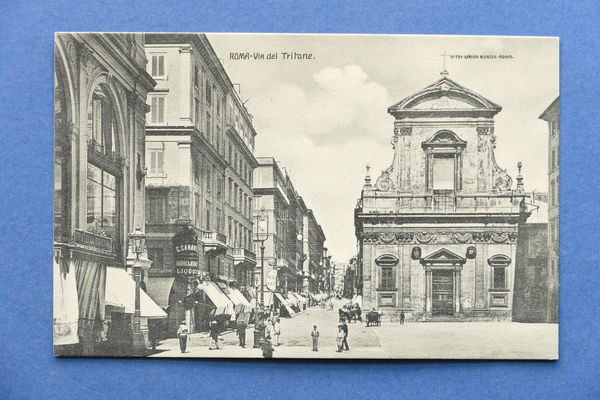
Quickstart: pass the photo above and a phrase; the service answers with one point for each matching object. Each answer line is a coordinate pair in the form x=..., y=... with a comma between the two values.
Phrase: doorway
x=442, y=289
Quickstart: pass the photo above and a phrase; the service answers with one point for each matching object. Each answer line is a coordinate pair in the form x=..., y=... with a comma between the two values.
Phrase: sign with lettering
x=185, y=244
x=271, y=280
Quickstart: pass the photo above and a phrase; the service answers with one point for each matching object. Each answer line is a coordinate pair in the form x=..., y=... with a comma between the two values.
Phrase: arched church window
x=104, y=166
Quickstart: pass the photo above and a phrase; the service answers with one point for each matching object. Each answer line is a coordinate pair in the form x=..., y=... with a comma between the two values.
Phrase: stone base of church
x=393, y=315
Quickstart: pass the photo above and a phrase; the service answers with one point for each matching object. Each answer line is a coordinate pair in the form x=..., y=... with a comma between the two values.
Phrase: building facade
x=552, y=116
x=100, y=87
x=531, y=299
x=313, y=240
x=437, y=230
x=294, y=252
x=199, y=144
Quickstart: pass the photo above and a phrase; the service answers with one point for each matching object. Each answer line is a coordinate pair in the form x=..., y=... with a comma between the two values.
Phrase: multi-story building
x=350, y=277
x=339, y=272
x=294, y=244
x=199, y=144
x=100, y=87
x=275, y=194
x=313, y=240
x=437, y=231
x=552, y=116
x=531, y=264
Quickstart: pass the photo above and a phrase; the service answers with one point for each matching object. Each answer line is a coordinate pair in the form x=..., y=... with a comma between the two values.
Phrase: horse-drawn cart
x=373, y=318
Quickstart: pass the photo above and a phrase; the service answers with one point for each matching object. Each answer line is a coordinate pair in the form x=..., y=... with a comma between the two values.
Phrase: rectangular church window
x=387, y=278
x=499, y=278
x=443, y=172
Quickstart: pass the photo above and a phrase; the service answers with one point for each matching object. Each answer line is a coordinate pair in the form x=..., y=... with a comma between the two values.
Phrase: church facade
x=437, y=230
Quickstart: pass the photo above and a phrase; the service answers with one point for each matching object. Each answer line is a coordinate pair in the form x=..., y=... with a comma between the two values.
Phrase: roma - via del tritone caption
x=306, y=196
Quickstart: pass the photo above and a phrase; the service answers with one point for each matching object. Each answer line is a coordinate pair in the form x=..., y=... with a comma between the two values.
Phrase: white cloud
x=341, y=105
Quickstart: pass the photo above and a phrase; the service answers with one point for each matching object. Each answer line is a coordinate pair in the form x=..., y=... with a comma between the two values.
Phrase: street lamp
x=261, y=235
x=137, y=241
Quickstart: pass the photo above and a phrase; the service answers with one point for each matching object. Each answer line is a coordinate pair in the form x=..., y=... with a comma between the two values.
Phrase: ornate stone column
x=458, y=291
x=428, y=295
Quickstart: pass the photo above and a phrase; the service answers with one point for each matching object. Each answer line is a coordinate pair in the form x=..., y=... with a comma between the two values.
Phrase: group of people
x=350, y=312
x=183, y=335
x=342, y=337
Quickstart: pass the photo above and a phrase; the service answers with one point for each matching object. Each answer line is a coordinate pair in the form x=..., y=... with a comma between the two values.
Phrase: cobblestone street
x=446, y=340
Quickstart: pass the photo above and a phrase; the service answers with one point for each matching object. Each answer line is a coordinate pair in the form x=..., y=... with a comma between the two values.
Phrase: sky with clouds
x=325, y=119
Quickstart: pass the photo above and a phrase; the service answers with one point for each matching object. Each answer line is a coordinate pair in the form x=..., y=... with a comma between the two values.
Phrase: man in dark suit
x=345, y=341
x=241, y=332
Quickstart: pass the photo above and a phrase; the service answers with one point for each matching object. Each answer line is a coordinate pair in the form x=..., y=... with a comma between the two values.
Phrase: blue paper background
x=27, y=367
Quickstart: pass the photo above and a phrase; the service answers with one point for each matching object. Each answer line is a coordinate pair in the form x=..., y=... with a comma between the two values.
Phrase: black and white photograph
x=306, y=196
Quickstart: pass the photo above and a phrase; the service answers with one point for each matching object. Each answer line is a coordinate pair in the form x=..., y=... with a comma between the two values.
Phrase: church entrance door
x=442, y=285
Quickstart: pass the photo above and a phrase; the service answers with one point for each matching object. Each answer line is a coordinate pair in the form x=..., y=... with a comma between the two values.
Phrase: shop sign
x=271, y=280
x=185, y=244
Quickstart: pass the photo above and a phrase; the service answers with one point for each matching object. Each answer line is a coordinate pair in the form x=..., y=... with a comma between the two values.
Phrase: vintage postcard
x=306, y=196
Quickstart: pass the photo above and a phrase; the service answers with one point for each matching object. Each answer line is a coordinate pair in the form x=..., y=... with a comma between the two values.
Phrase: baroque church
x=437, y=230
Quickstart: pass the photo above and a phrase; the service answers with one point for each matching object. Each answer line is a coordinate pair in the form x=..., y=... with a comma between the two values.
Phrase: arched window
x=104, y=169
x=62, y=150
x=102, y=123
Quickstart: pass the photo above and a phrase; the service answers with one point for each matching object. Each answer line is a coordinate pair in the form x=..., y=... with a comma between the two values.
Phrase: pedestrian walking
x=315, y=338
x=276, y=331
x=214, y=335
x=401, y=317
x=241, y=332
x=345, y=341
x=183, y=336
x=339, y=339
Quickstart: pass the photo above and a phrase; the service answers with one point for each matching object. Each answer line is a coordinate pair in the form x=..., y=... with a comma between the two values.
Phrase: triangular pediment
x=444, y=95
x=443, y=256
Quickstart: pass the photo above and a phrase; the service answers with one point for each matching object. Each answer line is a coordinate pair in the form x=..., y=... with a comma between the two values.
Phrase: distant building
x=552, y=116
x=350, y=279
x=295, y=246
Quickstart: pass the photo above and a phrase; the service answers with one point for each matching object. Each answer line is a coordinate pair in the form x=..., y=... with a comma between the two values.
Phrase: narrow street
x=504, y=340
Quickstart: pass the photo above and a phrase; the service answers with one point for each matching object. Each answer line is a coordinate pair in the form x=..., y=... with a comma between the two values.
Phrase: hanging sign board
x=185, y=243
x=271, y=280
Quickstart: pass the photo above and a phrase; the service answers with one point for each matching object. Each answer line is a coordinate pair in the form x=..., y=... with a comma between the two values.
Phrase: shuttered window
x=158, y=66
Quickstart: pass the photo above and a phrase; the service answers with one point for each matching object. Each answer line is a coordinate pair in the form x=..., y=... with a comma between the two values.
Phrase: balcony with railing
x=241, y=255
x=441, y=204
x=214, y=241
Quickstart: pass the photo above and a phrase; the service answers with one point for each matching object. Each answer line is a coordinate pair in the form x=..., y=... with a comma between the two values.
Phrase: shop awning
x=66, y=309
x=301, y=299
x=218, y=298
x=120, y=292
x=285, y=304
x=159, y=290
x=251, y=291
x=293, y=300
x=235, y=293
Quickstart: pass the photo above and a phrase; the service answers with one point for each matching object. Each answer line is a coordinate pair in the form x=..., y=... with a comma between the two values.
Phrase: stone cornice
x=440, y=237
